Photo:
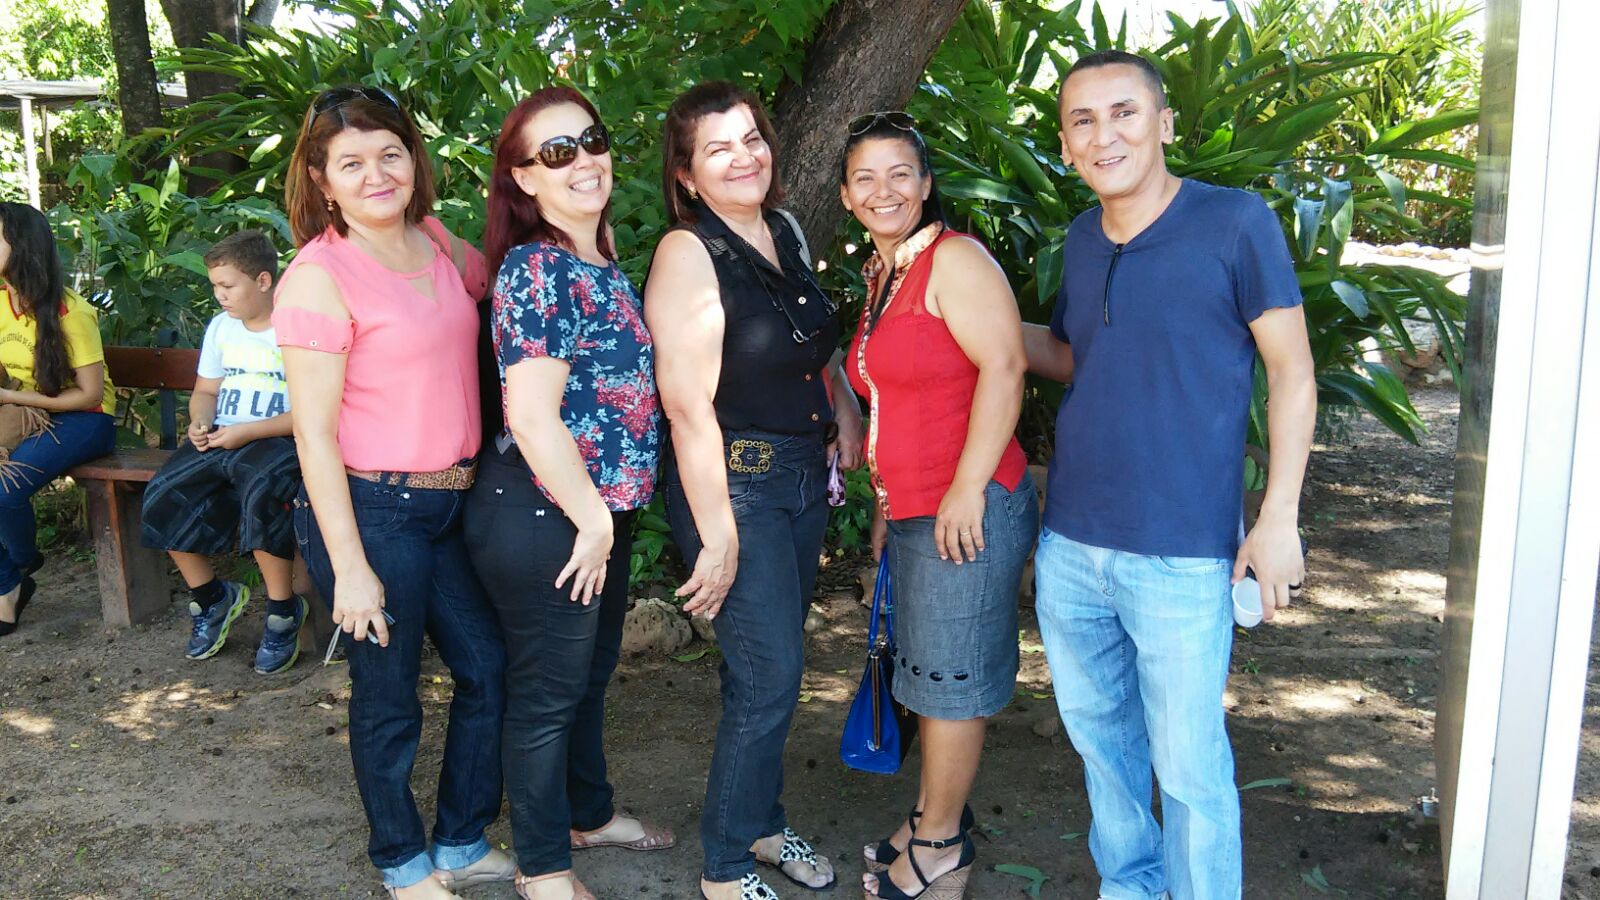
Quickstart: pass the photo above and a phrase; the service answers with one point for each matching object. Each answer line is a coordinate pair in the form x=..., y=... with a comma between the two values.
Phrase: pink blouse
x=410, y=399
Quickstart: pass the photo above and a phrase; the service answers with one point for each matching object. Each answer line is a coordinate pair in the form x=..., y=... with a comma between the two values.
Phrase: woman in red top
x=939, y=356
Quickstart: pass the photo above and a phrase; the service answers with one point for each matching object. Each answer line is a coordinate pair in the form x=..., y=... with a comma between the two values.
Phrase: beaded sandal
x=751, y=887
x=795, y=849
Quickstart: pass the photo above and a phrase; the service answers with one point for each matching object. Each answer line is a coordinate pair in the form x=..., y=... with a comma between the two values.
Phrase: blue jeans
x=781, y=515
x=75, y=437
x=560, y=656
x=412, y=538
x=1138, y=648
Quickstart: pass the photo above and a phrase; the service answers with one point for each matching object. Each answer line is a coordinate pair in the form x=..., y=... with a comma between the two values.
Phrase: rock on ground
x=654, y=626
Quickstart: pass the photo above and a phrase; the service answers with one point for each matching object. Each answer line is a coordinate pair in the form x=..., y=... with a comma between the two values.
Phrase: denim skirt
x=956, y=626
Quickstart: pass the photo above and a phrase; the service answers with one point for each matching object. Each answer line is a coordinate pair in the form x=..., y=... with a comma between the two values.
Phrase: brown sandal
x=579, y=892
x=654, y=838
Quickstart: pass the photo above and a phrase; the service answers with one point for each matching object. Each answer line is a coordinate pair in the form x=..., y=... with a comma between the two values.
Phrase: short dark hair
x=677, y=142
x=1101, y=58
x=249, y=251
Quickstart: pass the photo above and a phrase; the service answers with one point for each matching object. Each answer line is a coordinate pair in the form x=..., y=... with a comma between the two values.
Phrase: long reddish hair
x=514, y=218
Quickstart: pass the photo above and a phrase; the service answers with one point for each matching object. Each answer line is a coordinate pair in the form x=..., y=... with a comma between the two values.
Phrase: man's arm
x=1048, y=356
x=1272, y=549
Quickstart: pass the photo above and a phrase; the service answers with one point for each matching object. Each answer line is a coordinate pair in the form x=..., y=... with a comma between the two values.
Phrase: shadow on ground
x=126, y=771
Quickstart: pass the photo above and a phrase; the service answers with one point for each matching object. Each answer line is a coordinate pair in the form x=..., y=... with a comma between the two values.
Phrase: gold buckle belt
x=455, y=478
x=750, y=457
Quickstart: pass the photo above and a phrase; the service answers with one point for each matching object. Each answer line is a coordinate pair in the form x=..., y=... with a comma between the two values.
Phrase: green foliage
x=1248, y=115
x=56, y=40
x=1433, y=52
x=140, y=246
x=651, y=537
x=1344, y=123
x=459, y=65
x=850, y=525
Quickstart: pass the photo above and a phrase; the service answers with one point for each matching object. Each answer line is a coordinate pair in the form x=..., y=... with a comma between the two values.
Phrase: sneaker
x=280, y=641
x=211, y=625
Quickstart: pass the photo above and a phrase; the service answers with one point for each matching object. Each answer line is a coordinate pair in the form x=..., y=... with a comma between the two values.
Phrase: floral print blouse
x=549, y=302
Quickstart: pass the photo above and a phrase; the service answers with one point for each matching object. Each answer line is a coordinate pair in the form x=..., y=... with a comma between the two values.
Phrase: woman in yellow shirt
x=50, y=348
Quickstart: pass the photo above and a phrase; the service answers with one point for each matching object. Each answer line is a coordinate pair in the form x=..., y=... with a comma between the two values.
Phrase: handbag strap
x=882, y=604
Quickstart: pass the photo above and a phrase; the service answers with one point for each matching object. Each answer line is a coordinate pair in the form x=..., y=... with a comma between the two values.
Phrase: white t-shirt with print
x=250, y=365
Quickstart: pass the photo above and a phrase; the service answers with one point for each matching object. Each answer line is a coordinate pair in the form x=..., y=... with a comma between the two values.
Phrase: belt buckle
x=736, y=451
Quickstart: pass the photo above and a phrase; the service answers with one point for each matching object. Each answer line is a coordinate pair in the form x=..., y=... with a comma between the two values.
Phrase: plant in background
x=1327, y=132
x=1433, y=51
x=1248, y=115
x=136, y=248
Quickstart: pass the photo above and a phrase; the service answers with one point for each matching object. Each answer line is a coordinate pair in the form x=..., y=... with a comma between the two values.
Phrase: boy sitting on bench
x=238, y=473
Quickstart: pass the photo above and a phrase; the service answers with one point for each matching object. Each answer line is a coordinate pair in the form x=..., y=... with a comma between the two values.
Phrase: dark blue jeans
x=559, y=658
x=781, y=515
x=413, y=542
x=75, y=437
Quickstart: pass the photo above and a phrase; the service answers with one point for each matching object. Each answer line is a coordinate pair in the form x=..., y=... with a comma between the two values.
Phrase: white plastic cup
x=1247, y=603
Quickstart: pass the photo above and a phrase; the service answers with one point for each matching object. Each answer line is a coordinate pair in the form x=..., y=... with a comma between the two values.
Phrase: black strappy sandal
x=952, y=885
x=885, y=853
x=28, y=589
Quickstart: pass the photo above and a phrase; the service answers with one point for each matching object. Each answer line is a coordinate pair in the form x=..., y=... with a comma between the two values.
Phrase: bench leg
x=133, y=579
x=318, y=620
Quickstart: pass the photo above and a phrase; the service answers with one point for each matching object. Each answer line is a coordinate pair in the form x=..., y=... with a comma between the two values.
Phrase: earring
x=693, y=194
x=328, y=201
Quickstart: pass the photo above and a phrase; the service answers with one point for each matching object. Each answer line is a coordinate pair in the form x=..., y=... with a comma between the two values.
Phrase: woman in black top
x=745, y=345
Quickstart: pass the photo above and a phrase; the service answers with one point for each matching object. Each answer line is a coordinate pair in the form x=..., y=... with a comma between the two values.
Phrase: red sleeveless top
x=920, y=384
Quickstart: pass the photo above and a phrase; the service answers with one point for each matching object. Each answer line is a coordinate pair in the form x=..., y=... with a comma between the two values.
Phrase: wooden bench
x=135, y=585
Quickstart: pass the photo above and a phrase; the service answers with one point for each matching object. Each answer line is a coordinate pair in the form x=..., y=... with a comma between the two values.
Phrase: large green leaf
x=1408, y=134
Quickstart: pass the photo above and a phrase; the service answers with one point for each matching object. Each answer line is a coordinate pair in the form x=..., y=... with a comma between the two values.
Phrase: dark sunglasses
x=333, y=98
x=892, y=117
x=562, y=150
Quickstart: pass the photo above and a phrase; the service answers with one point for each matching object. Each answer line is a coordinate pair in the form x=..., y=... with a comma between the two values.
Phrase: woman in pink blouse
x=378, y=323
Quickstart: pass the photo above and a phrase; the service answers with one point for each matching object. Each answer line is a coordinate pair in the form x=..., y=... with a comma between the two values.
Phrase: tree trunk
x=137, y=94
x=262, y=12
x=193, y=22
x=867, y=55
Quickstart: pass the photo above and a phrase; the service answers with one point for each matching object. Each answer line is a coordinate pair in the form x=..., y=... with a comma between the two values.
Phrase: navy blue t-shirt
x=1150, y=438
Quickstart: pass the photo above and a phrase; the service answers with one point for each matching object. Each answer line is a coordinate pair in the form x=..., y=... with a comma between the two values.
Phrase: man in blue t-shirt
x=1169, y=290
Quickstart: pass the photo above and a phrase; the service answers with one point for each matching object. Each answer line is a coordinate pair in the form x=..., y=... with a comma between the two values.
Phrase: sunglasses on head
x=562, y=150
x=891, y=117
x=333, y=98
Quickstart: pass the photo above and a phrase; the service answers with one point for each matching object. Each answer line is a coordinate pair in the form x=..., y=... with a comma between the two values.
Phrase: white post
x=44, y=131
x=1525, y=542
x=30, y=165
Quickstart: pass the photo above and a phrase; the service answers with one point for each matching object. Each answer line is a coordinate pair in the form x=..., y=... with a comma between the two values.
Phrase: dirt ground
x=126, y=771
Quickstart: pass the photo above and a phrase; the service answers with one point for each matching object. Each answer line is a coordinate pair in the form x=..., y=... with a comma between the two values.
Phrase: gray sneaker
x=211, y=625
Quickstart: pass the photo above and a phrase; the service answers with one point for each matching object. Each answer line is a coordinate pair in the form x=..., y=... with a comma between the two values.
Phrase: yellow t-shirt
x=18, y=335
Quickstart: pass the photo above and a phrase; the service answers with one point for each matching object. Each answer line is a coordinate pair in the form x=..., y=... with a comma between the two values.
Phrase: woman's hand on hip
x=358, y=604
x=958, y=528
x=587, y=566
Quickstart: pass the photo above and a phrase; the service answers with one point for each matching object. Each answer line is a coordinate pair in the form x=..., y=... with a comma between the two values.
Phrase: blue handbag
x=871, y=741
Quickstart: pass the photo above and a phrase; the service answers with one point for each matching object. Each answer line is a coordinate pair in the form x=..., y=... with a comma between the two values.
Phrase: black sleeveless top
x=780, y=329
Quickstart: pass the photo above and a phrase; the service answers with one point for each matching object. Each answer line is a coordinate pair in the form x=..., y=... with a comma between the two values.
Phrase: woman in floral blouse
x=550, y=519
